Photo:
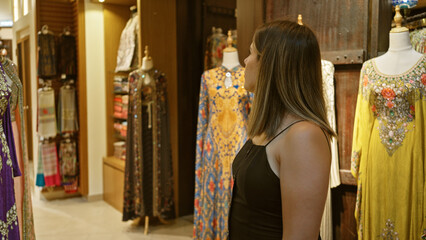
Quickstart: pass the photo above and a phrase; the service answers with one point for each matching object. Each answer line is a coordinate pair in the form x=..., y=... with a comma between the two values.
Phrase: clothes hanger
x=67, y=30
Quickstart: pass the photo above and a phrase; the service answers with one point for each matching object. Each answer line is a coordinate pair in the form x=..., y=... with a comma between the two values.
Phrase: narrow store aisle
x=76, y=218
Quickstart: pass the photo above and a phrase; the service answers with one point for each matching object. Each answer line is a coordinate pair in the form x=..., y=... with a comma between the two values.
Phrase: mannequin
x=9, y=166
x=230, y=54
x=223, y=112
x=400, y=55
x=388, y=147
x=148, y=148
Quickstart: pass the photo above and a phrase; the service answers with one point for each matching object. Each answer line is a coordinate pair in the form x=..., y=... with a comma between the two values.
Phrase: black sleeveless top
x=256, y=199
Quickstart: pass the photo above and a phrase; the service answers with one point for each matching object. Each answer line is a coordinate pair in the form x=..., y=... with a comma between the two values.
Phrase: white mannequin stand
x=400, y=56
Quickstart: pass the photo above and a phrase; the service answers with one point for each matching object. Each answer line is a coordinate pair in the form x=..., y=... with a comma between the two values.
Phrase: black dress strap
x=283, y=131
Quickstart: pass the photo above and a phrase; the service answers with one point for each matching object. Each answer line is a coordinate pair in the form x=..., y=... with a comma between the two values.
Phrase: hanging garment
x=389, y=153
x=326, y=229
x=40, y=174
x=9, y=167
x=127, y=50
x=46, y=55
x=49, y=156
x=67, y=109
x=46, y=113
x=148, y=186
x=418, y=40
x=22, y=184
x=221, y=132
x=68, y=160
x=67, y=56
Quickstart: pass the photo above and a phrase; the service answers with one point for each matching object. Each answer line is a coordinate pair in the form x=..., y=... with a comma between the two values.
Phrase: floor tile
x=77, y=218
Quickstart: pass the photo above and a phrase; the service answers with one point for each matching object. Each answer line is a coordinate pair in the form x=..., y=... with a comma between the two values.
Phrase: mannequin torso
x=230, y=59
x=147, y=65
x=400, y=57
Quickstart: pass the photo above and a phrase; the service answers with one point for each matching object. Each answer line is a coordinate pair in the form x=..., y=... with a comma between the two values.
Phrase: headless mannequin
x=230, y=55
x=400, y=56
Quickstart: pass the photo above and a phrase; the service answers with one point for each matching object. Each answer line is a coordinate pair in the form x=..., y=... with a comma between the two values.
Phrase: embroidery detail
x=4, y=100
x=11, y=219
x=392, y=99
x=424, y=235
x=388, y=233
x=355, y=161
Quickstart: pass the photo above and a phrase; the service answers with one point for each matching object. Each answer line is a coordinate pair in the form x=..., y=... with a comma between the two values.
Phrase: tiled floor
x=78, y=219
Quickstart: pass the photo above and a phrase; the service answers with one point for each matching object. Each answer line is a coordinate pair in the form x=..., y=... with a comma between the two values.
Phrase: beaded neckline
x=378, y=72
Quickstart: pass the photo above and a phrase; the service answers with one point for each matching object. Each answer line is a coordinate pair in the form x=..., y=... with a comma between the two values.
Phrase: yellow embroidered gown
x=389, y=153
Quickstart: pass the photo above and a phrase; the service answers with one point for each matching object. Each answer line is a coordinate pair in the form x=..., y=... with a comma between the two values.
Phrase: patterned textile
x=68, y=160
x=215, y=45
x=67, y=110
x=127, y=50
x=9, y=167
x=49, y=158
x=418, y=40
x=23, y=189
x=46, y=55
x=326, y=229
x=148, y=186
x=46, y=113
x=221, y=132
x=389, y=153
x=67, y=56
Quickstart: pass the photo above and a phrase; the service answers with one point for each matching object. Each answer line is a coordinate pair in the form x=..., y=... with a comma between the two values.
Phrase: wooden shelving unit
x=116, y=14
x=58, y=14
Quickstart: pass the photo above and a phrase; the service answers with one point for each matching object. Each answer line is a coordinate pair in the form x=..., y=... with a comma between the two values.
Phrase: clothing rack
x=46, y=84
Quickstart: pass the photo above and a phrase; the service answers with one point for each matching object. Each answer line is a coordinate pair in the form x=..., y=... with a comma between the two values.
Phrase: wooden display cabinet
x=58, y=14
x=116, y=14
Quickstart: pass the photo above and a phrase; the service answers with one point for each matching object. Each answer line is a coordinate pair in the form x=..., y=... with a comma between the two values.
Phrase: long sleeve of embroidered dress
x=363, y=125
x=203, y=112
x=7, y=126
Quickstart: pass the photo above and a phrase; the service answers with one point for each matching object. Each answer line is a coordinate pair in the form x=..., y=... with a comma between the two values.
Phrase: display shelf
x=52, y=193
x=119, y=118
x=115, y=162
x=119, y=137
x=121, y=93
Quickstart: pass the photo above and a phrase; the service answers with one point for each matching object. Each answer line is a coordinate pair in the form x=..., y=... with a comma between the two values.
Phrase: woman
x=281, y=174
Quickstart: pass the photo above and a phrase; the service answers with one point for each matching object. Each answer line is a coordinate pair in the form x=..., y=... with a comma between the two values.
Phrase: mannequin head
x=284, y=72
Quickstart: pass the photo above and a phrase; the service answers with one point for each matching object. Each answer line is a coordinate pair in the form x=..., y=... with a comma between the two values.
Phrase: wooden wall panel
x=78, y=15
x=190, y=67
x=250, y=15
x=346, y=88
x=344, y=224
x=340, y=25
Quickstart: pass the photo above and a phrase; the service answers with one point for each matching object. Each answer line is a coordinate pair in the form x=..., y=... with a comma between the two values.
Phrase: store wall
x=6, y=33
x=25, y=27
x=96, y=106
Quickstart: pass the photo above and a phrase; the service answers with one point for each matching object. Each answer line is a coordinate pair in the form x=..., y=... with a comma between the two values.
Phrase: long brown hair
x=289, y=78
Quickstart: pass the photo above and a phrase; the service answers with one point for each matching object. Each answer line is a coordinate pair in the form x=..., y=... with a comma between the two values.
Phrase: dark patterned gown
x=148, y=186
